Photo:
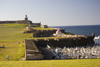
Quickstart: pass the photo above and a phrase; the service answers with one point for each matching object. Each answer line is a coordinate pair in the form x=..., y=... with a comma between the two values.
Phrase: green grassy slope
x=53, y=63
x=39, y=28
x=10, y=34
x=13, y=32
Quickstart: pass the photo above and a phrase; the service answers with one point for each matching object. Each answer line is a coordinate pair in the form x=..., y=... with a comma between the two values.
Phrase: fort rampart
x=61, y=42
x=43, y=33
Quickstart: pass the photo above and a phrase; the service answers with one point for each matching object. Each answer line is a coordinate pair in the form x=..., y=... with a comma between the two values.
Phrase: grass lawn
x=10, y=34
x=13, y=32
x=39, y=28
x=53, y=63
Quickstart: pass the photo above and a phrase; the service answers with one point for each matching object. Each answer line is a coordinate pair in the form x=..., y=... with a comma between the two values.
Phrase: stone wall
x=45, y=33
x=5, y=22
x=32, y=52
x=35, y=25
x=26, y=21
x=68, y=42
x=22, y=22
x=17, y=22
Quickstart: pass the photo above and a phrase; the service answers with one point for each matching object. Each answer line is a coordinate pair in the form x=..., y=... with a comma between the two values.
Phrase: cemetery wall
x=45, y=33
x=68, y=42
x=32, y=51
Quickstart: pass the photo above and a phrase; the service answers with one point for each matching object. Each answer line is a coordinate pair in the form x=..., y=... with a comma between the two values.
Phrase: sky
x=52, y=12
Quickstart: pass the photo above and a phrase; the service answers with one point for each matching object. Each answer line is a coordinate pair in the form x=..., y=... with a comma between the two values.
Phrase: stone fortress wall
x=61, y=42
x=25, y=21
x=43, y=33
x=68, y=42
x=17, y=22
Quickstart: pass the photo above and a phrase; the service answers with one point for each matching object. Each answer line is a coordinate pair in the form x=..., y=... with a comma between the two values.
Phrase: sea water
x=81, y=30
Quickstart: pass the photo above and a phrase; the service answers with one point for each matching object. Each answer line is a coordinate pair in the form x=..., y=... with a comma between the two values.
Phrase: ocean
x=81, y=30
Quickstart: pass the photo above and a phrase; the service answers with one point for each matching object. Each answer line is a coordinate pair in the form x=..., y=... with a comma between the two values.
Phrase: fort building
x=34, y=48
x=25, y=21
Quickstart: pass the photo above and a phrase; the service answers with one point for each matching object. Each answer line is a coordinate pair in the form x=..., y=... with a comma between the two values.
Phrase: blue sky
x=52, y=12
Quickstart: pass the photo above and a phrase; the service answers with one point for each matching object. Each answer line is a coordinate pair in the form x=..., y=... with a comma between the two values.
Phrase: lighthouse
x=26, y=18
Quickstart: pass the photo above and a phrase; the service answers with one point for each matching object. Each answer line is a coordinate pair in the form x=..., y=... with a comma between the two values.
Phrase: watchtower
x=26, y=18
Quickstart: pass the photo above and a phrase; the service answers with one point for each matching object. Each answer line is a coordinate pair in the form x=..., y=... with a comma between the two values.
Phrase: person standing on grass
x=7, y=57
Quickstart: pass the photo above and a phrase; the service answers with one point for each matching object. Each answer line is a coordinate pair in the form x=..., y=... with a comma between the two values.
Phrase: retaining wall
x=32, y=51
x=68, y=42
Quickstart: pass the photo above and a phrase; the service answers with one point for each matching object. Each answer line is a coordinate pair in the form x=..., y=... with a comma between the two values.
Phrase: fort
x=34, y=48
x=25, y=21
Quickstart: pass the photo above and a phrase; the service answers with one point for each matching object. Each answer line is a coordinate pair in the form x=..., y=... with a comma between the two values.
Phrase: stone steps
x=32, y=52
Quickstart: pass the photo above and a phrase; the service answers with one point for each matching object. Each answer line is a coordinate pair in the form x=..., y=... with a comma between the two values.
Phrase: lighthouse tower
x=26, y=18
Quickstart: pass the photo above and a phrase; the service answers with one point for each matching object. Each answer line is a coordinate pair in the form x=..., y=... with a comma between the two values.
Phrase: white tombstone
x=75, y=53
x=56, y=50
x=48, y=46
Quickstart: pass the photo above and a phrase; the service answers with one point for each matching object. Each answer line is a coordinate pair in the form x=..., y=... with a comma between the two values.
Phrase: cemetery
x=86, y=52
x=32, y=45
